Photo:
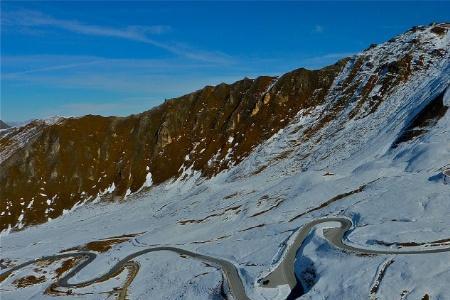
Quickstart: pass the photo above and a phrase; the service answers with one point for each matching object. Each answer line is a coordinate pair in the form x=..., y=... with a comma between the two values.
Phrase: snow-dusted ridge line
x=345, y=137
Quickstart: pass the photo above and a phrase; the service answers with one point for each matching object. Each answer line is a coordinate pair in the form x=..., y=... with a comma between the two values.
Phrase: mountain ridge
x=3, y=125
x=62, y=163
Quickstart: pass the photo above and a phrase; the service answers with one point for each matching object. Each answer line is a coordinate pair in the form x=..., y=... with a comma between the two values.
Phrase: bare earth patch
x=27, y=281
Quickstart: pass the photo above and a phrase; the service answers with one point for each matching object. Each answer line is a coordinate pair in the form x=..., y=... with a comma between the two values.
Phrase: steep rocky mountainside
x=3, y=125
x=48, y=167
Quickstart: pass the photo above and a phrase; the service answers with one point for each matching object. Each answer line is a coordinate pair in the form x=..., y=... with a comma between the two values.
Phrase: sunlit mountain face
x=329, y=183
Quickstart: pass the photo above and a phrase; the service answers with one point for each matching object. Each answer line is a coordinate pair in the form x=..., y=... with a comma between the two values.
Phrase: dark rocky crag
x=3, y=125
x=48, y=167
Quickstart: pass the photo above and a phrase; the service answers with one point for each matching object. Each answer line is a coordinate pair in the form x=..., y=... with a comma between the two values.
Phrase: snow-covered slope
x=341, y=157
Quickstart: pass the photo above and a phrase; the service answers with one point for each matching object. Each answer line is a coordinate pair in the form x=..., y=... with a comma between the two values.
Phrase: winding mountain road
x=229, y=270
x=283, y=274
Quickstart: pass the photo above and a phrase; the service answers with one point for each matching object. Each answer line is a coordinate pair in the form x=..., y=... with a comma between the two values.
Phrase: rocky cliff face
x=48, y=167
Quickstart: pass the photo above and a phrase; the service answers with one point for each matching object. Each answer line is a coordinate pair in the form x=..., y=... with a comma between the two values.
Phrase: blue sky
x=118, y=58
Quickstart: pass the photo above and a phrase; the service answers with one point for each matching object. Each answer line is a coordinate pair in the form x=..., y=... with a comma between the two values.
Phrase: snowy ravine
x=394, y=192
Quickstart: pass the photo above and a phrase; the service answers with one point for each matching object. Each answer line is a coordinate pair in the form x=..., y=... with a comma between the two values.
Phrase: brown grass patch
x=103, y=246
x=439, y=30
x=66, y=266
x=27, y=281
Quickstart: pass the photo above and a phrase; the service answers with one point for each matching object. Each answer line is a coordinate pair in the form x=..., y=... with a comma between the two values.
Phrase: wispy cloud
x=13, y=75
x=318, y=29
x=157, y=78
x=142, y=34
x=164, y=76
